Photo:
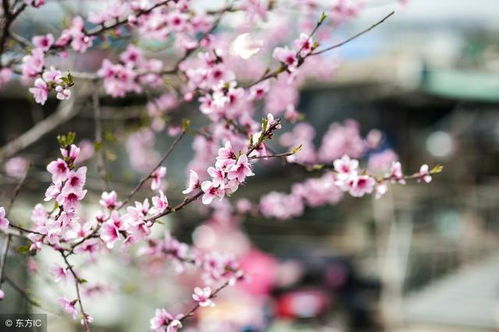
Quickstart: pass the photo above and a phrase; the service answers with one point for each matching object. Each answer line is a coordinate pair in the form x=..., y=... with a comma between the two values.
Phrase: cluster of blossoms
x=215, y=78
x=231, y=168
x=290, y=58
x=131, y=73
x=67, y=190
x=44, y=80
x=131, y=226
x=229, y=172
x=328, y=189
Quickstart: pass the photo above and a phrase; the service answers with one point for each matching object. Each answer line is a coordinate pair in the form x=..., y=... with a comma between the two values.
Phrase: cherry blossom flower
x=396, y=174
x=110, y=230
x=159, y=203
x=68, y=306
x=361, y=185
x=70, y=197
x=5, y=76
x=203, y=296
x=157, y=176
x=109, y=200
x=193, y=182
x=70, y=153
x=59, y=170
x=286, y=56
x=240, y=170
x=424, y=173
x=76, y=179
x=33, y=64
x=40, y=91
x=16, y=167
x=43, y=42
x=304, y=44
x=211, y=190
x=60, y=273
x=4, y=222
x=163, y=321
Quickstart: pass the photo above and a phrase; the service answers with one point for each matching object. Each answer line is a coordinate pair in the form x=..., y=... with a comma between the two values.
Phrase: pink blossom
x=156, y=177
x=203, y=296
x=5, y=76
x=193, y=182
x=304, y=44
x=62, y=93
x=159, y=203
x=33, y=64
x=70, y=197
x=16, y=167
x=396, y=174
x=40, y=91
x=345, y=165
x=76, y=179
x=110, y=230
x=361, y=185
x=43, y=42
x=70, y=153
x=211, y=190
x=243, y=205
x=2, y=294
x=4, y=222
x=52, y=192
x=281, y=206
x=241, y=169
x=109, y=200
x=163, y=321
x=381, y=162
x=60, y=273
x=59, y=170
x=68, y=306
x=424, y=173
x=286, y=56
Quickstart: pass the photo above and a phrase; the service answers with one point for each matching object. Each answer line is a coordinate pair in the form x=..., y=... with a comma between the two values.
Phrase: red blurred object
x=305, y=303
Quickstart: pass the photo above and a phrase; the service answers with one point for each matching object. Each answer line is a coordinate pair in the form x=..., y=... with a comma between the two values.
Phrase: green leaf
x=23, y=250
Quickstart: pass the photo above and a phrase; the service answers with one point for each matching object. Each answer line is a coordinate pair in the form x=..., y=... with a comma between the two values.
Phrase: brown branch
x=66, y=110
x=9, y=18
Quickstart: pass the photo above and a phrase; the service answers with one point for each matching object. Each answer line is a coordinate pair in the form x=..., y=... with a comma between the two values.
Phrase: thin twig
x=66, y=110
x=148, y=176
x=354, y=36
x=78, y=296
x=26, y=296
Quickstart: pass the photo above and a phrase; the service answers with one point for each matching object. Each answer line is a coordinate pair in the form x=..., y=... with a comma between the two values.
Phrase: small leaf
x=297, y=149
x=323, y=17
x=23, y=250
x=437, y=169
x=185, y=124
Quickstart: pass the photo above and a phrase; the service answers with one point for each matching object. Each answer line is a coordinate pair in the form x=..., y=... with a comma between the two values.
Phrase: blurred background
x=422, y=258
